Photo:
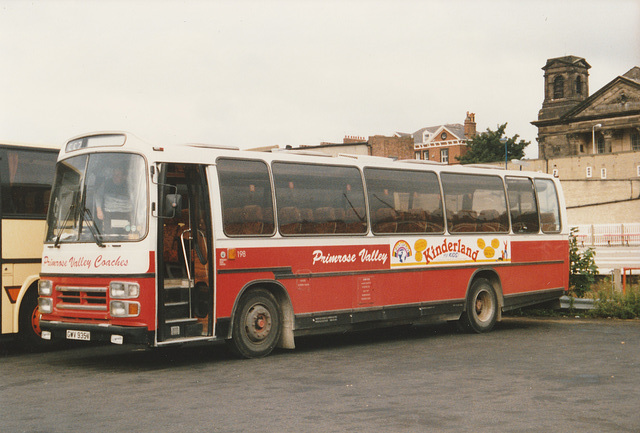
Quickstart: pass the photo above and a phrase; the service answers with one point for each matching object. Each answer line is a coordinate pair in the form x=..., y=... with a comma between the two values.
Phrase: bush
x=616, y=304
x=583, y=268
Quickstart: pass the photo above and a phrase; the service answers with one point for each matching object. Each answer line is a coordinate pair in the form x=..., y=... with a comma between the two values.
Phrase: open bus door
x=185, y=283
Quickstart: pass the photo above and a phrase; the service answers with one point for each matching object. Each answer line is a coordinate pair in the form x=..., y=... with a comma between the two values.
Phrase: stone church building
x=574, y=123
x=591, y=142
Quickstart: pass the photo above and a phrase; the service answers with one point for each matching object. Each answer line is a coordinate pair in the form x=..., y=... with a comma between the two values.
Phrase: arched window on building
x=578, y=85
x=558, y=87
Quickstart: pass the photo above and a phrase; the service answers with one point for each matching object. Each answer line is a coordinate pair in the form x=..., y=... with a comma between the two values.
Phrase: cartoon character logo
x=401, y=251
x=489, y=250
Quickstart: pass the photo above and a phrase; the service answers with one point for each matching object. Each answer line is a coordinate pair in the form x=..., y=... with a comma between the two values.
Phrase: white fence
x=608, y=234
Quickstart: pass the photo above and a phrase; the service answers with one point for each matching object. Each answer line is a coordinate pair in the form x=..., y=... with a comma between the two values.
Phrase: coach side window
x=549, y=207
x=247, y=203
x=404, y=201
x=475, y=203
x=315, y=199
x=522, y=205
x=26, y=177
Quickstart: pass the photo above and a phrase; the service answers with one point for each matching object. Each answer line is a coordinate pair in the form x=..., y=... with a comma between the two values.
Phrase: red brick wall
x=396, y=147
x=456, y=150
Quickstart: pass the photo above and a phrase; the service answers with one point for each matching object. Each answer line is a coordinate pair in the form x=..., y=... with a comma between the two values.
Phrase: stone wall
x=594, y=200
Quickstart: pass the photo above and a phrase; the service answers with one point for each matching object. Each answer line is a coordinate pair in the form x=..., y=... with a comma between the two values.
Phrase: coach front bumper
x=97, y=333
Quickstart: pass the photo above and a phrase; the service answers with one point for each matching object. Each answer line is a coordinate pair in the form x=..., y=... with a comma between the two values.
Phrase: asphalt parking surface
x=528, y=375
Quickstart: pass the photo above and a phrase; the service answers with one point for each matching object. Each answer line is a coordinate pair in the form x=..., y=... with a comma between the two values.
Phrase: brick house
x=443, y=143
x=376, y=145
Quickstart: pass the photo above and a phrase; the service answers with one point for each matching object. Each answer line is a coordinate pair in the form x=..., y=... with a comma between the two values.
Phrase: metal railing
x=626, y=234
x=624, y=277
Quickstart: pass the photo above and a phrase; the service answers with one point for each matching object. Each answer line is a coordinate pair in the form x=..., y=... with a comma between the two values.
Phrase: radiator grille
x=82, y=298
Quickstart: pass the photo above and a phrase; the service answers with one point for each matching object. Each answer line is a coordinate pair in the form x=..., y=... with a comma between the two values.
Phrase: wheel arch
x=492, y=276
x=30, y=283
x=282, y=297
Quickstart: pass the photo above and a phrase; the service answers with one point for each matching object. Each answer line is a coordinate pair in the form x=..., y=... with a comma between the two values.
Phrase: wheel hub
x=258, y=323
x=483, y=306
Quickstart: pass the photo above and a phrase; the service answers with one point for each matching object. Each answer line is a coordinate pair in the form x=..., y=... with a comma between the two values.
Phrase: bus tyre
x=29, y=323
x=482, y=307
x=257, y=324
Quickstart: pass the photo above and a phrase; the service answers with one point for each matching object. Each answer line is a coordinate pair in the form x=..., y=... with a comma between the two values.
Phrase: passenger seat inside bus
x=172, y=248
x=289, y=220
x=355, y=220
x=324, y=219
x=386, y=220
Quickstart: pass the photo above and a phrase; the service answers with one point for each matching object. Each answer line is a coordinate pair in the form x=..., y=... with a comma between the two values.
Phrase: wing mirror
x=172, y=205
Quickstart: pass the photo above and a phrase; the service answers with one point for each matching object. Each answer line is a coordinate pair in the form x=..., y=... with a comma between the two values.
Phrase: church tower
x=566, y=84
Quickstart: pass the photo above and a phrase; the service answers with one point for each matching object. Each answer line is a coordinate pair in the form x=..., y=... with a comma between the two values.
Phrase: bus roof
x=198, y=152
x=16, y=144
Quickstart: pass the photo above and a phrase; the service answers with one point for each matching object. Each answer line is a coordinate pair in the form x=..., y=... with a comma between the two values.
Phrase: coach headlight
x=118, y=289
x=45, y=288
x=45, y=305
x=124, y=309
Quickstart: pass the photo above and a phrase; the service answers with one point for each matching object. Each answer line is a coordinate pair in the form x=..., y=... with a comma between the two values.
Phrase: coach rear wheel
x=256, y=324
x=482, y=307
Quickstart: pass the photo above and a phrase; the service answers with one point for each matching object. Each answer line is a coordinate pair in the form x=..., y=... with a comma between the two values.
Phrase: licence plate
x=78, y=335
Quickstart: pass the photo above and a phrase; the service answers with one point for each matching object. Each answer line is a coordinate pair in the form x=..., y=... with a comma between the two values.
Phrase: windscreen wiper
x=93, y=227
x=64, y=224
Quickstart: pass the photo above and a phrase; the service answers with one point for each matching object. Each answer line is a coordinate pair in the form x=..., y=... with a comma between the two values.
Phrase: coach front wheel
x=29, y=323
x=257, y=324
x=482, y=307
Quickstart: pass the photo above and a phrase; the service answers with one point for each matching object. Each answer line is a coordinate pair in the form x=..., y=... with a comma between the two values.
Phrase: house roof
x=455, y=129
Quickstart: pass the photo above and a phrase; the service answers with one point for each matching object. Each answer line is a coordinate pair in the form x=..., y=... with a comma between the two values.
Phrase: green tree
x=489, y=147
x=583, y=269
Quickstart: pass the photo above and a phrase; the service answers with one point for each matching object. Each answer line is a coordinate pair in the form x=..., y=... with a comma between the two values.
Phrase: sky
x=262, y=73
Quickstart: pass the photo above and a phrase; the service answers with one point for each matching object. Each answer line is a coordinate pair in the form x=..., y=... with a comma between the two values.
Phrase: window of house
x=444, y=156
x=589, y=172
x=600, y=141
x=603, y=173
x=558, y=87
x=578, y=85
x=635, y=141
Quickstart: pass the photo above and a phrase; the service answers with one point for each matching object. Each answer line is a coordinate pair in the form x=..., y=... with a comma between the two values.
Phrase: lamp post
x=504, y=140
x=593, y=135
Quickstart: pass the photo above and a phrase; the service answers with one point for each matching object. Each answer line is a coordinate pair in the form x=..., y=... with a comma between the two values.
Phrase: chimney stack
x=350, y=139
x=470, y=125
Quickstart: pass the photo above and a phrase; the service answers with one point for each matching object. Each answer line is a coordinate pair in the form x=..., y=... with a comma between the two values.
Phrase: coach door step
x=179, y=321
